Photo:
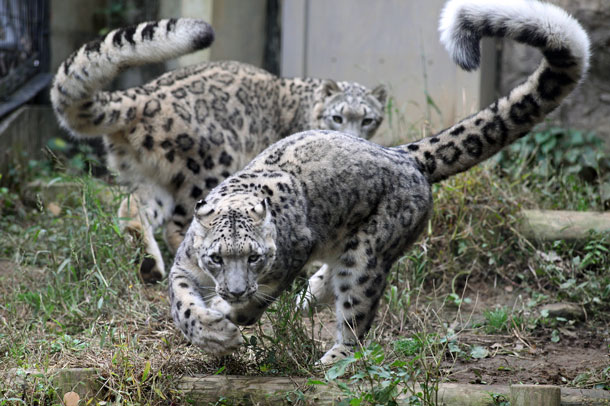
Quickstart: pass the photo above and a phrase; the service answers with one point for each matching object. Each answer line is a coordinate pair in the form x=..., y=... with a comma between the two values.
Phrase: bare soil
x=514, y=357
x=583, y=348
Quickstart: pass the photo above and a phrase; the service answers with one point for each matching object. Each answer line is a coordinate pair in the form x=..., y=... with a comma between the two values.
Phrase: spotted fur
x=177, y=137
x=352, y=204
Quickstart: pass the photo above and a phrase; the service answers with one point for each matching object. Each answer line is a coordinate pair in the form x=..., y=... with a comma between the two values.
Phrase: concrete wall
x=239, y=27
x=71, y=26
x=386, y=41
x=393, y=42
x=240, y=31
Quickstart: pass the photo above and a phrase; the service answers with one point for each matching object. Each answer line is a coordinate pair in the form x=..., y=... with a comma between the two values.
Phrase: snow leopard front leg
x=140, y=214
x=358, y=281
x=199, y=313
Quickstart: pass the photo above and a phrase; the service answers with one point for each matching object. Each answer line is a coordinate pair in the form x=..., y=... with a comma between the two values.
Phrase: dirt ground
x=513, y=357
x=519, y=357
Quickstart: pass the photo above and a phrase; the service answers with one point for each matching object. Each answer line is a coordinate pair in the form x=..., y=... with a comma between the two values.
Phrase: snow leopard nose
x=237, y=292
x=351, y=129
x=236, y=279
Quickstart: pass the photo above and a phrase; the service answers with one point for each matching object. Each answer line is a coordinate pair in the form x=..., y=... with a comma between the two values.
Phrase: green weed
x=375, y=380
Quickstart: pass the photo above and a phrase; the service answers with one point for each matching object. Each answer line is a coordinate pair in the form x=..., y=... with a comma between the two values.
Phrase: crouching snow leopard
x=177, y=137
x=357, y=206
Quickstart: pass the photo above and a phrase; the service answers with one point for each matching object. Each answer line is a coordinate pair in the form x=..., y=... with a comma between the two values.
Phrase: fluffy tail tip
x=461, y=44
x=205, y=38
x=200, y=32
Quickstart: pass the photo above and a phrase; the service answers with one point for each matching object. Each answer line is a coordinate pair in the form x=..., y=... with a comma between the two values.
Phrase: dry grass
x=71, y=296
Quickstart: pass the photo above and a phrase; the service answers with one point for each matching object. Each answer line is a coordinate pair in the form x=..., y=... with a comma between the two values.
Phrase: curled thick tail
x=79, y=103
x=565, y=47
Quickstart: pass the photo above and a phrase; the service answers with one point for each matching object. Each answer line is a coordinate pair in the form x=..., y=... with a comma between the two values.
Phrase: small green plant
x=409, y=376
x=496, y=320
x=499, y=399
x=287, y=344
x=374, y=381
x=550, y=149
x=578, y=272
x=408, y=347
x=457, y=300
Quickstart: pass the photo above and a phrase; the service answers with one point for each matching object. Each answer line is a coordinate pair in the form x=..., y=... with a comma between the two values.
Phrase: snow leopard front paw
x=336, y=353
x=152, y=270
x=211, y=331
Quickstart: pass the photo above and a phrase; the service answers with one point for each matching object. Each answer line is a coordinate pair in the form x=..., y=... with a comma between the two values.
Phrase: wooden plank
x=26, y=92
x=18, y=76
x=277, y=390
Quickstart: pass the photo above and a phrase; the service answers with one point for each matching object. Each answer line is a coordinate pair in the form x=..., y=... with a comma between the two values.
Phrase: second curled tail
x=565, y=47
x=76, y=94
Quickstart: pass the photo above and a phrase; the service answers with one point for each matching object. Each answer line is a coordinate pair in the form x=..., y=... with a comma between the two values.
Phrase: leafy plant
x=550, y=149
x=496, y=320
x=412, y=374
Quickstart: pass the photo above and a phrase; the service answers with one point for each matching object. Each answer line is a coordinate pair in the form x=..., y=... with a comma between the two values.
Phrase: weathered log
x=264, y=390
x=277, y=390
x=535, y=395
x=552, y=225
x=261, y=390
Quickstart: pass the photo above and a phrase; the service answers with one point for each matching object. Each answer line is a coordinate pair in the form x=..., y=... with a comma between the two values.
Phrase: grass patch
x=72, y=296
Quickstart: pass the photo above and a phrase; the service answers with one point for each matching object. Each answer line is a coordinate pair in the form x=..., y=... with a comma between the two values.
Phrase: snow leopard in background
x=176, y=138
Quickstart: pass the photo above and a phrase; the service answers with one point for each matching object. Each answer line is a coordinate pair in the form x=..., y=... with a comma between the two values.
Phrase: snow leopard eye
x=217, y=259
x=253, y=258
x=367, y=121
x=338, y=119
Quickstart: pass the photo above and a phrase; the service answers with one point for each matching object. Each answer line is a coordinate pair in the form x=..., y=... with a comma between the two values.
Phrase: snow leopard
x=176, y=138
x=352, y=204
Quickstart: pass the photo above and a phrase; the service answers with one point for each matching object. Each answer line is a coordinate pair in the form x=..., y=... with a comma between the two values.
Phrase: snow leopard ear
x=261, y=212
x=380, y=93
x=203, y=213
x=199, y=204
x=330, y=87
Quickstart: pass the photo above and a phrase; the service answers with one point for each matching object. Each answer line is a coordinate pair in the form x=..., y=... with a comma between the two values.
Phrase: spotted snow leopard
x=177, y=137
x=355, y=205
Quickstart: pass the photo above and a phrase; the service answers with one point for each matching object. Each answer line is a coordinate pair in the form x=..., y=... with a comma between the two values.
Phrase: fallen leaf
x=479, y=352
